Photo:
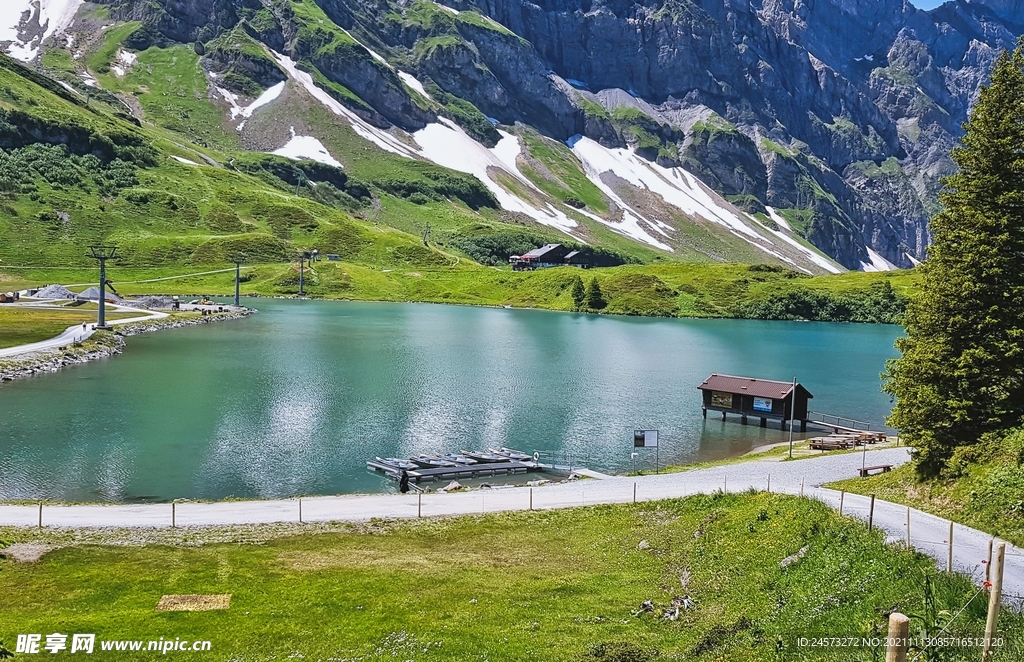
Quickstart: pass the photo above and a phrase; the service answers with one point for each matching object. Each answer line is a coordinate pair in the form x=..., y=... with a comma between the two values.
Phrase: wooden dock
x=461, y=471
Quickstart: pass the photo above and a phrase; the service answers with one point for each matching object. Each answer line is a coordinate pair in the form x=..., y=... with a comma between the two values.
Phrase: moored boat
x=511, y=454
x=459, y=458
x=432, y=462
x=481, y=456
x=398, y=463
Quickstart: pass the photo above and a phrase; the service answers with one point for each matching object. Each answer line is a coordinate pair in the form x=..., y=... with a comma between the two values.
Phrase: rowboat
x=432, y=462
x=458, y=458
x=480, y=456
x=511, y=454
x=399, y=464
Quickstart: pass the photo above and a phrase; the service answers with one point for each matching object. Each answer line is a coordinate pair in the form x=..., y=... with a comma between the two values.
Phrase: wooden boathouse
x=751, y=397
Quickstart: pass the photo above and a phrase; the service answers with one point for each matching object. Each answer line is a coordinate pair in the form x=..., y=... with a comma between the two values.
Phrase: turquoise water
x=295, y=399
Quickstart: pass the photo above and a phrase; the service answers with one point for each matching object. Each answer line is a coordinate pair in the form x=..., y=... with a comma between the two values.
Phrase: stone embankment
x=100, y=346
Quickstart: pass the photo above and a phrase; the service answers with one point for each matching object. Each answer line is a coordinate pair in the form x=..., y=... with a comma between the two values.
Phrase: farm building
x=549, y=255
x=761, y=398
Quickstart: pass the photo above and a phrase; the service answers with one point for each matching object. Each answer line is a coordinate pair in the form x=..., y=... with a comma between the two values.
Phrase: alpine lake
x=296, y=398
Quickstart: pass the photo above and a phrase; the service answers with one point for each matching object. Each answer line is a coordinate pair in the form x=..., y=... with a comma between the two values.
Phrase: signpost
x=648, y=439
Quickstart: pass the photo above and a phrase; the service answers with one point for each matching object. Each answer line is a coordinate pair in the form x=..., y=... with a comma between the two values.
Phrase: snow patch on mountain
x=877, y=263
x=631, y=226
x=245, y=112
x=124, y=62
x=811, y=254
x=307, y=147
x=376, y=56
x=414, y=83
x=448, y=9
x=684, y=191
x=52, y=17
x=446, y=144
x=380, y=138
x=777, y=217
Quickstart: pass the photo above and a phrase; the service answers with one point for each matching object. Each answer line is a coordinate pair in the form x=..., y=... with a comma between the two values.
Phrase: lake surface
x=296, y=398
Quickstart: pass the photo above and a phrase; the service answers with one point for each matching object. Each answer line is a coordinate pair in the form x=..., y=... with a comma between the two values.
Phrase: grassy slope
x=686, y=290
x=167, y=224
x=984, y=491
x=537, y=586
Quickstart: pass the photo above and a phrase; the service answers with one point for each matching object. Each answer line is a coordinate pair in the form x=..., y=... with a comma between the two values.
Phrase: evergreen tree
x=961, y=373
x=594, y=298
x=579, y=294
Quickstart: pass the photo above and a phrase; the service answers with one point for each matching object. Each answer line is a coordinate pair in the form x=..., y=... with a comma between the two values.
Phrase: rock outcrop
x=842, y=112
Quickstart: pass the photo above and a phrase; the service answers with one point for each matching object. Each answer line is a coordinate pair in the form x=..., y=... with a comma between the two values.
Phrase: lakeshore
x=294, y=400
x=103, y=346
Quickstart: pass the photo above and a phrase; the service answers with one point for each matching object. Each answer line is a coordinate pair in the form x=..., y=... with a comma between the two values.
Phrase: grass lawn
x=524, y=586
x=684, y=290
x=20, y=325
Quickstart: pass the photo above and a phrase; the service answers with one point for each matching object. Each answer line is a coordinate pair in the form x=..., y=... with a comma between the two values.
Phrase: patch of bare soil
x=194, y=602
x=27, y=552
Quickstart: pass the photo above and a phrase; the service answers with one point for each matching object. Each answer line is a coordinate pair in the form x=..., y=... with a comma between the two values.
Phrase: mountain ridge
x=843, y=140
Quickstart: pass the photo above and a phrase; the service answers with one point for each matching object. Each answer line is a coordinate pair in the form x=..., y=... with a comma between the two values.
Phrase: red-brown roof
x=762, y=388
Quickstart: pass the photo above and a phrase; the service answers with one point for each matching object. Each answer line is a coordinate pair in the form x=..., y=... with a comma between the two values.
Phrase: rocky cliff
x=832, y=117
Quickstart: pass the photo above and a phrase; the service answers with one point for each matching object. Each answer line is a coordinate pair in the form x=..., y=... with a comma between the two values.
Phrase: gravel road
x=929, y=534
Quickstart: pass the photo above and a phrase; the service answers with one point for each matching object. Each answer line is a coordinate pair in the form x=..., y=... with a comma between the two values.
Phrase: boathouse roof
x=761, y=388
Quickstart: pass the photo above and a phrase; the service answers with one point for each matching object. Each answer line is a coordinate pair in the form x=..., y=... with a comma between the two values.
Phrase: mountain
x=809, y=134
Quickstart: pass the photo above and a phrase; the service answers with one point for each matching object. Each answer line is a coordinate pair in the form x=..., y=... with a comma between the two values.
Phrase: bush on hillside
x=879, y=303
x=333, y=185
x=57, y=166
x=19, y=129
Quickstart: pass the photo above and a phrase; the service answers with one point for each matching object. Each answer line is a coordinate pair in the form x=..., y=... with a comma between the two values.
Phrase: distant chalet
x=550, y=255
x=748, y=396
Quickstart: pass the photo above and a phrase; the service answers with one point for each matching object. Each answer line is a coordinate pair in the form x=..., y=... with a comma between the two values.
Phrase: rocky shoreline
x=100, y=346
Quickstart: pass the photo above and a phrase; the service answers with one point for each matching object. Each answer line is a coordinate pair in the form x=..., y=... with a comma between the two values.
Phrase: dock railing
x=563, y=460
x=831, y=420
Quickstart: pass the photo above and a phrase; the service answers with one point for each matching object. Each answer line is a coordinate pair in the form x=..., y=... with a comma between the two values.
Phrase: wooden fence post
x=871, y=514
x=40, y=514
x=994, y=598
x=174, y=522
x=949, y=562
x=300, y=510
x=896, y=641
x=634, y=492
x=769, y=490
x=842, y=497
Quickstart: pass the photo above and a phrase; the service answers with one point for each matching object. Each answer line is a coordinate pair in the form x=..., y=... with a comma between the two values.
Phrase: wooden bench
x=881, y=468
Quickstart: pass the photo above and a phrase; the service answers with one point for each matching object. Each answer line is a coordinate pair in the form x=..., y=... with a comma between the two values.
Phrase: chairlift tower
x=239, y=259
x=102, y=253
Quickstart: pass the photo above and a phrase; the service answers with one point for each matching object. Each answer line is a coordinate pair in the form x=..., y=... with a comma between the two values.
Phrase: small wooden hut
x=761, y=398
